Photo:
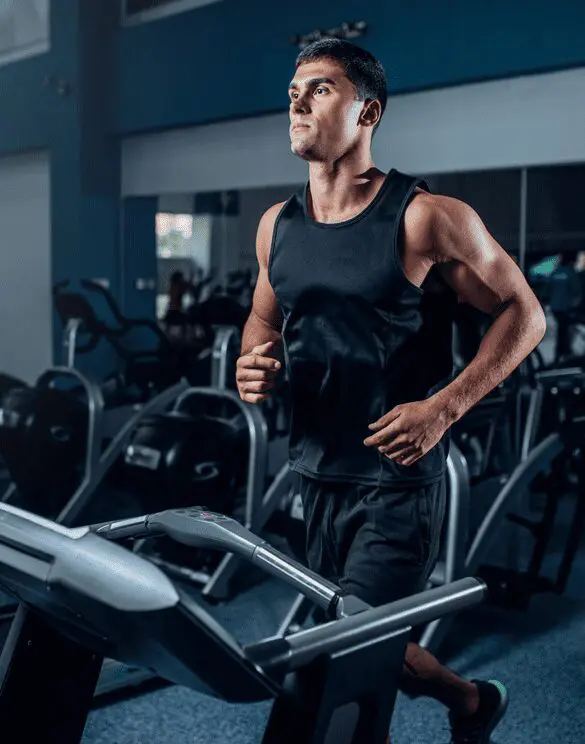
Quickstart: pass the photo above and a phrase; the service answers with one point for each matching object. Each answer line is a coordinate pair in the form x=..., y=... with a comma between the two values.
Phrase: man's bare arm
x=265, y=320
x=471, y=261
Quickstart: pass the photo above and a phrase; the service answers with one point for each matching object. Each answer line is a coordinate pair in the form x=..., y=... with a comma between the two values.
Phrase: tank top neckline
x=352, y=220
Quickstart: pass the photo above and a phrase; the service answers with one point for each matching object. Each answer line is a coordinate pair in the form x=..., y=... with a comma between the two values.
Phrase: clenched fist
x=257, y=372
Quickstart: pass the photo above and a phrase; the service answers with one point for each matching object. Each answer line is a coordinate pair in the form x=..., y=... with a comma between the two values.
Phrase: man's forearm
x=514, y=334
x=257, y=332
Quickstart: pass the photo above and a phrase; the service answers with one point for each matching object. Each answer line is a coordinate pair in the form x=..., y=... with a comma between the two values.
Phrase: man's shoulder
x=266, y=230
x=428, y=214
x=425, y=204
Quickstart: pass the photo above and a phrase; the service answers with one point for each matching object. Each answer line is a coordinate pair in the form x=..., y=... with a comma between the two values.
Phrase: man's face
x=323, y=111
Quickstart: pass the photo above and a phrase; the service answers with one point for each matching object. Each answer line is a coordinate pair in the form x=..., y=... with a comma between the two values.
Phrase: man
x=359, y=275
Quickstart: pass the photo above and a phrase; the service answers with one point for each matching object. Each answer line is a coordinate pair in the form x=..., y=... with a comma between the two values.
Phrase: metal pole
x=523, y=218
x=225, y=200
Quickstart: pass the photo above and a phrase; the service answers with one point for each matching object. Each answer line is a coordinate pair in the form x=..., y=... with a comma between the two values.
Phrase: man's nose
x=300, y=104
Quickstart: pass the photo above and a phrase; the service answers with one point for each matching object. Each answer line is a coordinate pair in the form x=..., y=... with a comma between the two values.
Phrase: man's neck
x=336, y=194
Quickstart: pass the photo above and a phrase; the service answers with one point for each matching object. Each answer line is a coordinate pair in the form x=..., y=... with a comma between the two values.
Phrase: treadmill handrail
x=84, y=567
x=299, y=649
x=201, y=528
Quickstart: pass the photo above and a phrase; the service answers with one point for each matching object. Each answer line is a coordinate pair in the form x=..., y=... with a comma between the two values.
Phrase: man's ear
x=371, y=113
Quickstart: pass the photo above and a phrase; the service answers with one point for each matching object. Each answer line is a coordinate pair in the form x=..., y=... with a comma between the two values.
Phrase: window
x=24, y=29
x=173, y=232
x=183, y=243
x=137, y=11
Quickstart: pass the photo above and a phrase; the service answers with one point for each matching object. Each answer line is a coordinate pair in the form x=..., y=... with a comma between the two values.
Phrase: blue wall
x=85, y=161
x=233, y=59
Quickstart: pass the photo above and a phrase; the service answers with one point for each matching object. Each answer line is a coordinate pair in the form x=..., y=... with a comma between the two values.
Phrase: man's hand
x=256, y=373
x=409, y=431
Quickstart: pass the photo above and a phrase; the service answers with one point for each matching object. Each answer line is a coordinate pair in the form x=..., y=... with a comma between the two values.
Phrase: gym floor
x=539, y=654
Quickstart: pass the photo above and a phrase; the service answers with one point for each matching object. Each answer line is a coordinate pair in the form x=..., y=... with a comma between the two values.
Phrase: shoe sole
x=501, y=710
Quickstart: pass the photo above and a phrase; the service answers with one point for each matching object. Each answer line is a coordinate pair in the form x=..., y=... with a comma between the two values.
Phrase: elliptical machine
x=57, y=452
x=211, y=449
x=54, y=445
x=144, y=373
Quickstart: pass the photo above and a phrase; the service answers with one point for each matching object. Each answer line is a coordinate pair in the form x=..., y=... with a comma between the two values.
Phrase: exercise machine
x=53, y=444
x=210, y=448
x=143, y=372
x=53, y=437
x=84, y=597
x=562, y=421
x=539, y=473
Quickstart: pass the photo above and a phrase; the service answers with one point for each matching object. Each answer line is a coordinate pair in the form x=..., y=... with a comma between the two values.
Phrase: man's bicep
x=264, y=304
x=474, y=264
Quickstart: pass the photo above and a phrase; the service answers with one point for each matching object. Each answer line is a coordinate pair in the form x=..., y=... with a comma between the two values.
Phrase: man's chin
x=301, y=152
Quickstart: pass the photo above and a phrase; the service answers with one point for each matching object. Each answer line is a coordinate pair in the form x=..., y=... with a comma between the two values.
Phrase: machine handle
x=297, y=650
x=199, y=528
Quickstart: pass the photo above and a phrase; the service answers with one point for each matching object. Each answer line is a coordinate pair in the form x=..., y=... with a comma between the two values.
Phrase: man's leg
x=387, y=543
x=424, y=675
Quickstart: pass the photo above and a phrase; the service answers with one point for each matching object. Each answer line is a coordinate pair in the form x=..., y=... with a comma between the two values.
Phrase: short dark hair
x=177, y=277
x=360, y=67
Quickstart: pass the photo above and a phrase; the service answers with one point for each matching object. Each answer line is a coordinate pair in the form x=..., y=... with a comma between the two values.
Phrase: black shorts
x=378, y=543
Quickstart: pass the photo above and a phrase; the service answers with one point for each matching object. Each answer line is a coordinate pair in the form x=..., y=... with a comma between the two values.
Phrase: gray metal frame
x=225, y=336
x=530, y=433
x=258, y=434
x=537, y=461
x=118, y=444
x=259, y=505
x=217, y=585
x=103, y=593
x=458, y=502
x=97, y=465
x=95, y=405
x=70, y=342
x=446, y=571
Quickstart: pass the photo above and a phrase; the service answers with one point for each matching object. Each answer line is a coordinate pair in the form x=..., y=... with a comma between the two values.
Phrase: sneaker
x=478, y=727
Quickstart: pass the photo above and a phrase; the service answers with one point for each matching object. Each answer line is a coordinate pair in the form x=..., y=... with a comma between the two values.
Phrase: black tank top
x=359, y=337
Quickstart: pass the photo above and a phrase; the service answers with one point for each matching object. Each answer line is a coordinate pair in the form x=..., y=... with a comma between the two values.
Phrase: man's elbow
x=537, y=322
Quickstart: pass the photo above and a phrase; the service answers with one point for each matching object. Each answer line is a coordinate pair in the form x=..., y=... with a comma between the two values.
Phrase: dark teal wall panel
x=28, y=113
x=140, y=261
x=85, y=172
x=233, y=59
x=33, y=110
x=139, y=269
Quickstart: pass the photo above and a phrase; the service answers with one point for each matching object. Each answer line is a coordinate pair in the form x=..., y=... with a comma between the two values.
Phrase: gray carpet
x=538, y=654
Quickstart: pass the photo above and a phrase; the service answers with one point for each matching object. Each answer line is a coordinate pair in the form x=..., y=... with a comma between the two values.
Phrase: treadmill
x=84, y=596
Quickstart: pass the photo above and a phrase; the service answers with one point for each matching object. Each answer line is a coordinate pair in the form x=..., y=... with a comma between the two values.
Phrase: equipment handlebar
x=200, y=528
x=299, y=649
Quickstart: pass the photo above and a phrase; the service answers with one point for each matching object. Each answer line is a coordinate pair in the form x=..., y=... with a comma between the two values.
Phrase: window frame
x=174, y=7
x=31, y=49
